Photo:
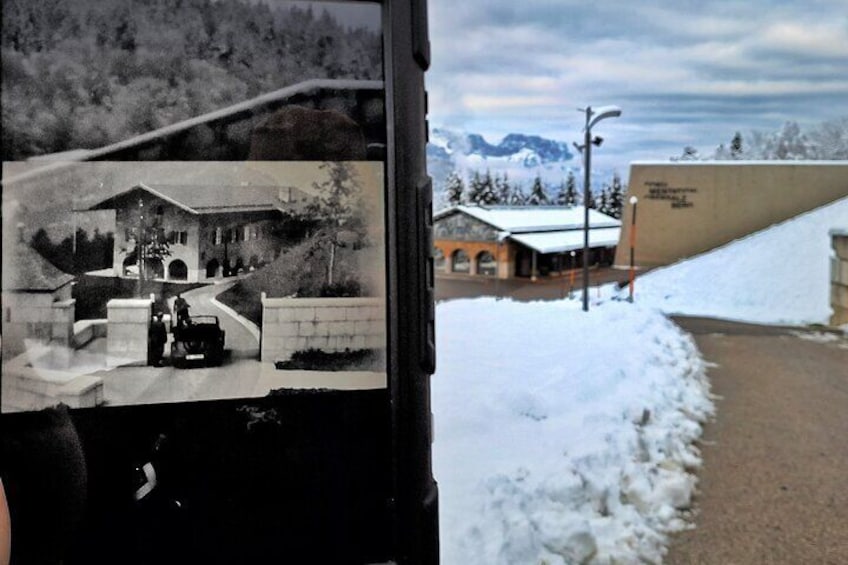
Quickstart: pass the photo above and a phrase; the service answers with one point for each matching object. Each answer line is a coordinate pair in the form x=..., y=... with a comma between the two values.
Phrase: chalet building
x=211, y=231
x=37, y=303
x=520, y=241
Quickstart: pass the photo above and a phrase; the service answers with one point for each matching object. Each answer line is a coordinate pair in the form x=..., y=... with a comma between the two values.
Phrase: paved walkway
x=239, y=340
x=774, y=484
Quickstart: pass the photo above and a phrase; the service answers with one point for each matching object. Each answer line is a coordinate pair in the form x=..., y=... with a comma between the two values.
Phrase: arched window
x=439, y=259
x=460, y=263
x=486, y=264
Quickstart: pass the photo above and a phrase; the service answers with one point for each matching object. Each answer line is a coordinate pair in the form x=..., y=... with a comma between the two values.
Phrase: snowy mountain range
x=520, y=156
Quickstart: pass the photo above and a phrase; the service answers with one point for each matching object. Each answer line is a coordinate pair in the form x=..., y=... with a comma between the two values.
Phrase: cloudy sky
x=684, y=72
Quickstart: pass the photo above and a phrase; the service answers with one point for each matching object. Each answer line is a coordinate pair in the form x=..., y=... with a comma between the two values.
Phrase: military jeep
x=198, y=341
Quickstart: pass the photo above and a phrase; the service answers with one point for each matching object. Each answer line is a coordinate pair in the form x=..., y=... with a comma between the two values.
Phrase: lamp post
x=571, y=275
x=633, y=201
x=592, y=118
x=139, y=248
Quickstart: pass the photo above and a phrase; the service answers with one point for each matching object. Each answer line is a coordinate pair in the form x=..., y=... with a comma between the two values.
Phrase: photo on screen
x=157, y=282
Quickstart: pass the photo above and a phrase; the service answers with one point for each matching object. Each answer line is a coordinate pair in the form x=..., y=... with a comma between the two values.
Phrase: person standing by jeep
x=158, y=337
x=181, y=308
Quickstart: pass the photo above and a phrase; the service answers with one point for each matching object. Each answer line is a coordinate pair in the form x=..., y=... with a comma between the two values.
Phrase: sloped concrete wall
x=688, y=208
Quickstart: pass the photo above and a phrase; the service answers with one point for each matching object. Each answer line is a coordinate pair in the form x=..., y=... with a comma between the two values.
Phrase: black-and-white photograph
x=184, y=80
x=155, y=282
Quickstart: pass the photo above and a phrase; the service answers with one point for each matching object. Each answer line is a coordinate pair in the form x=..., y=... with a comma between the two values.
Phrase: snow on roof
x=197, y=199
x=561, y=241
x=524, y=219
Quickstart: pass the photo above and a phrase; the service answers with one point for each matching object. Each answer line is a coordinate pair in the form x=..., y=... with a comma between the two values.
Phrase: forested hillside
x=88, y=73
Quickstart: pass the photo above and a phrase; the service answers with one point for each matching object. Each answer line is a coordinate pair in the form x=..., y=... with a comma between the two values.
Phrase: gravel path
x=774, y=484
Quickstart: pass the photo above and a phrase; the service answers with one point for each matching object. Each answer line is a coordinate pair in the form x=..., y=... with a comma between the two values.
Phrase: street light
x=592, y=118
x=571, y=275
x=633, y=202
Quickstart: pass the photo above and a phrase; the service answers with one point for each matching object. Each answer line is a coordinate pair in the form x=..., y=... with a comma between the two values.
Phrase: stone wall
x=839, y=278
x=126, y=339
x=327, y=324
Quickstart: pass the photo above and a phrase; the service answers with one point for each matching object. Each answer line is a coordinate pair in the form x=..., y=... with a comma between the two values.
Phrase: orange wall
x=503, y=253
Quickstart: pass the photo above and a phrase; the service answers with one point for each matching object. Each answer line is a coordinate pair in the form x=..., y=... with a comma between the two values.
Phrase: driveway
x=774, y=483
x=241, y=342
x=238, y=377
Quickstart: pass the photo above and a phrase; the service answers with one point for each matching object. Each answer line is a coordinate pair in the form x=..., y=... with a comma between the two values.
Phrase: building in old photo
x=37, y=303
x=211, y=231
x=520, y=241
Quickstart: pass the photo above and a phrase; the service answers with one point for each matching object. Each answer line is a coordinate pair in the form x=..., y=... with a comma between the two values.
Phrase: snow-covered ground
x=567, y=437
x=563, y=436
x=780, y=275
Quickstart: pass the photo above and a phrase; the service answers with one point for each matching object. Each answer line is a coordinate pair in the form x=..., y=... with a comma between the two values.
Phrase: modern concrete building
x=211, y=231
x=686, y=208
x=520, y=241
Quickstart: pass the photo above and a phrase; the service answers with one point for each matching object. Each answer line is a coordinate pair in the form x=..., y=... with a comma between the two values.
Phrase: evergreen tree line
x=83, y=74
x=827, y=141
x=498, y=190
x=86, y=254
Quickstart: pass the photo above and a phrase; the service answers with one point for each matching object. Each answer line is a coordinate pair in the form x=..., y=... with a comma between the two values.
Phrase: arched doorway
x=460, y=262
x=177, y=270
x=129, y=267
x=439, y=259
x=486, y=264
x=154, y=269
x=212, y=268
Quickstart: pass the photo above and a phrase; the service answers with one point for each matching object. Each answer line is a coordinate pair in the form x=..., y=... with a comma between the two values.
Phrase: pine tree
x=475, y=189
x=592, y=202
x=603, y=201
x=736, y=146
x=561, y=196
x=615, y=203
x=488, y=195
x=570, y=190
x=538, y=195
x=455, y=189
x=502, y=189
x=516, y=195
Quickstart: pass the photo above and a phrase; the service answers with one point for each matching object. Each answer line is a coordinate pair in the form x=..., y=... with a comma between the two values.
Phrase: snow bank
x=780, y=275
x=563, y=436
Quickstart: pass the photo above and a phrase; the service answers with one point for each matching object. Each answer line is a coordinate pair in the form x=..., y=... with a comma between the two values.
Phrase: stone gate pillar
x=127, y=329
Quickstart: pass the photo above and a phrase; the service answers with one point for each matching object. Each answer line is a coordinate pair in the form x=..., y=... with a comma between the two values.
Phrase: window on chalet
x=218, y=238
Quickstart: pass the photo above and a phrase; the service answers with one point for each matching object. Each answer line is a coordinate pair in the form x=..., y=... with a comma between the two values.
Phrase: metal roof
x=530, y=219
x=205, y=199
x=569, y=240
x=25, y=269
